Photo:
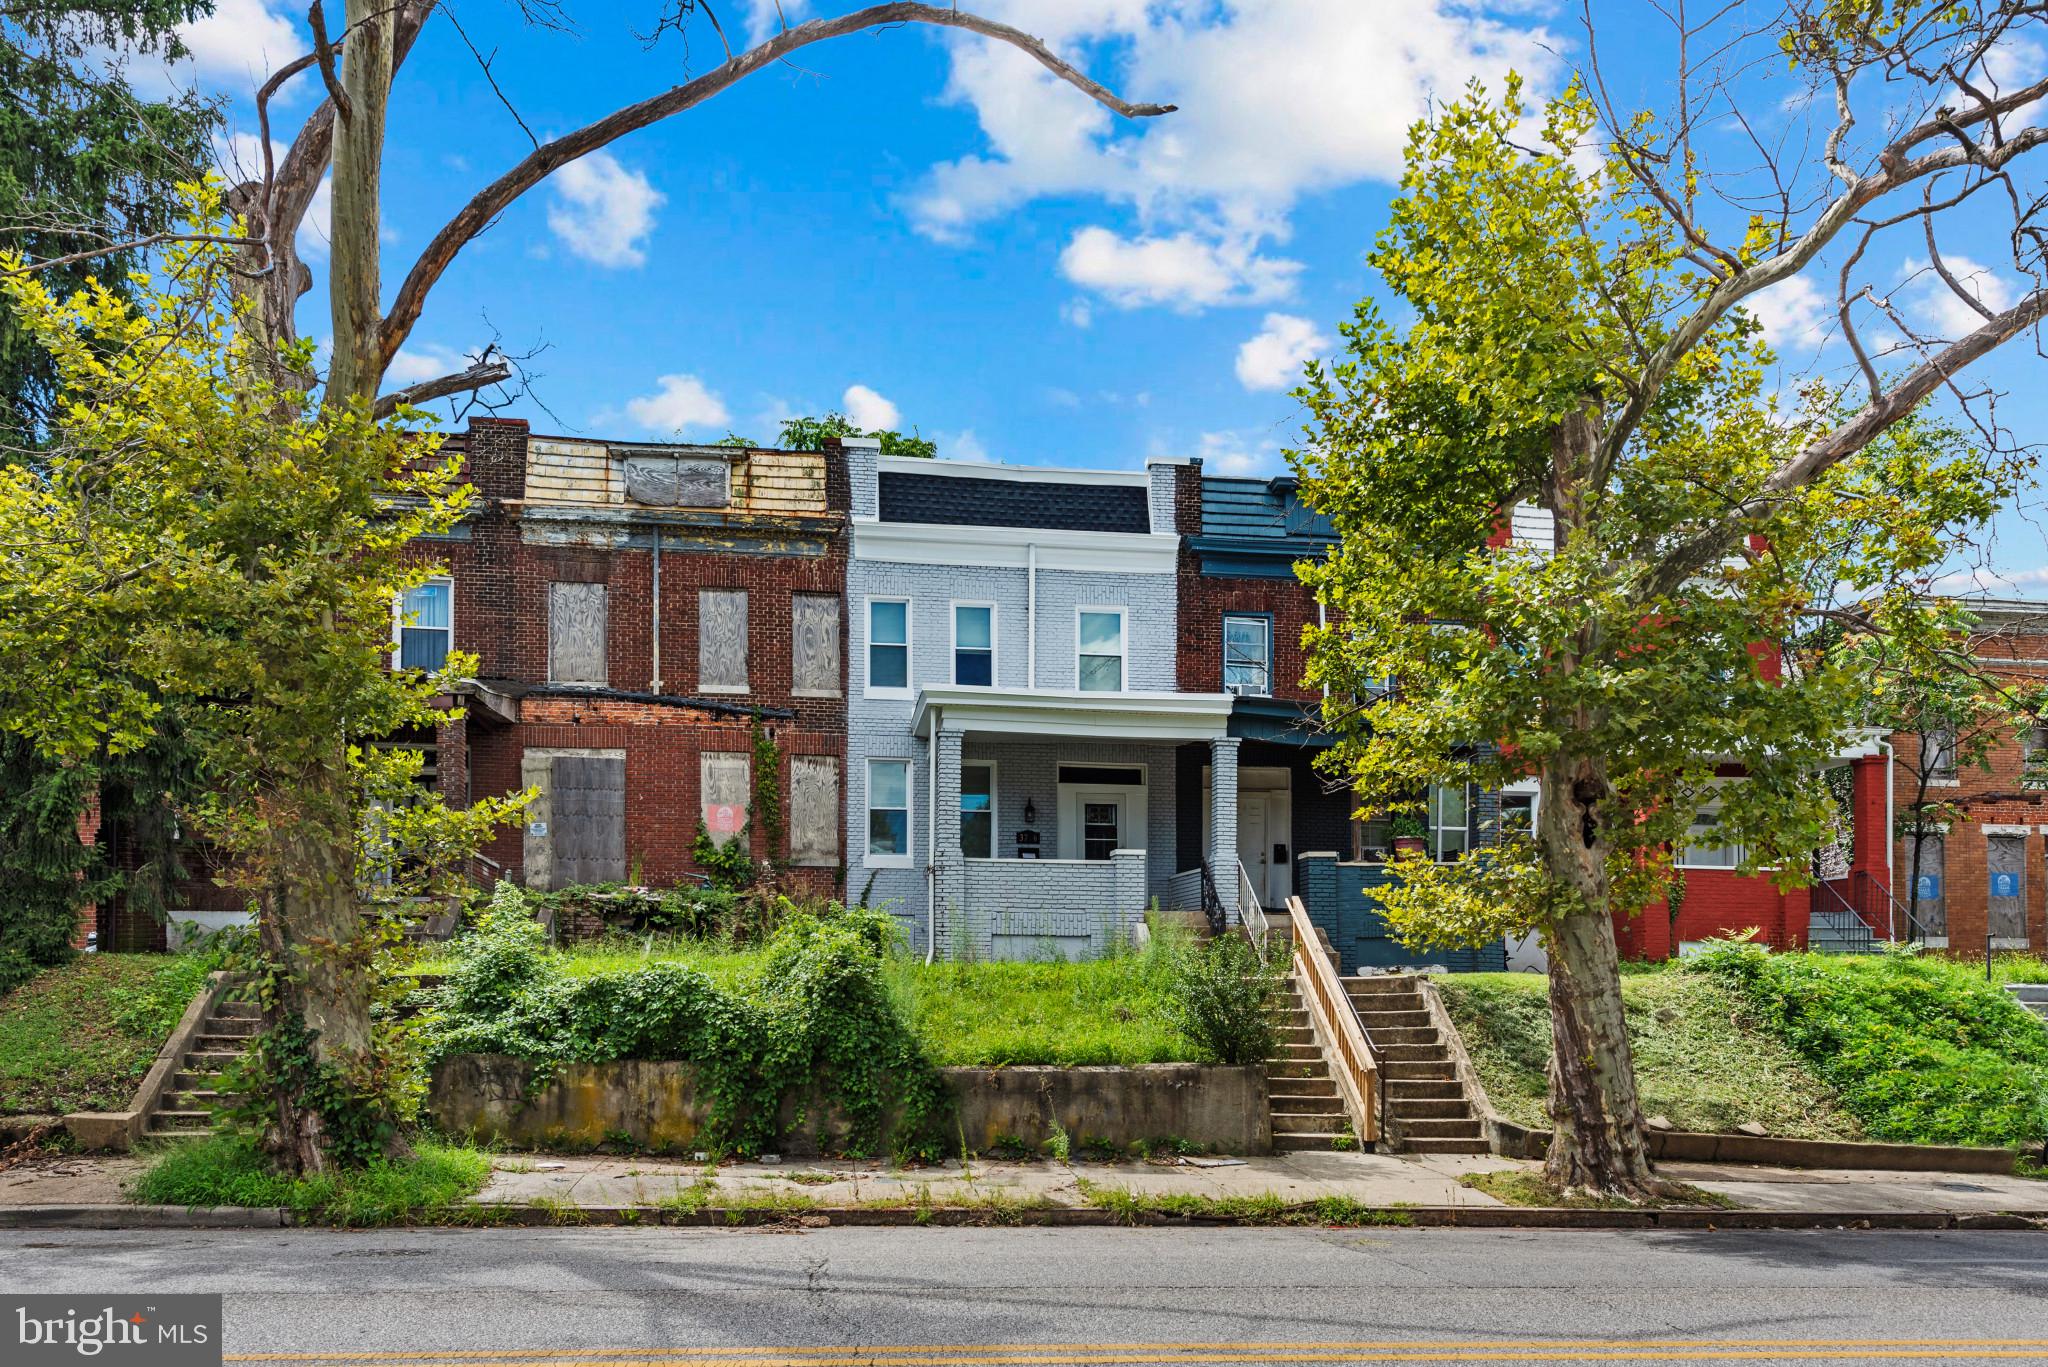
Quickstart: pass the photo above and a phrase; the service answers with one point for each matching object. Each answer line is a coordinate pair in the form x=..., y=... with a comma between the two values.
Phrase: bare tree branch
x=323, y=52
x=489, y=369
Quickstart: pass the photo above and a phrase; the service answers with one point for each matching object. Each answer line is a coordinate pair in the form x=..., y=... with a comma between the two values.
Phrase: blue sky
x=928, y=231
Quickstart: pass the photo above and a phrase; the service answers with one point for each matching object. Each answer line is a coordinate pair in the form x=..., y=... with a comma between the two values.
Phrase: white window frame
x=398, y=617
x=1123, y=617
x=995, y=808
x=867, y=661
x=995, y=677
x=1685, y=846
x=1430, y=814
x=889, y=861
x=1265, y=621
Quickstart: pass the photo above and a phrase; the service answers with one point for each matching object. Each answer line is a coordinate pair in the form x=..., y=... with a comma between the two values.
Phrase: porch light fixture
x=1030, y=812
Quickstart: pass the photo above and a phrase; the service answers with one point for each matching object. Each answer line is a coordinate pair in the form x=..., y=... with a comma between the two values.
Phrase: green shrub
x=817, y=1022
x=1922, y=1050
x=1222, y=997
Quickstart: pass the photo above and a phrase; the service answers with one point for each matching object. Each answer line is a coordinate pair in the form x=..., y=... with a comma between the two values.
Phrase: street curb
x=1053, y=1217
x=144, y=1217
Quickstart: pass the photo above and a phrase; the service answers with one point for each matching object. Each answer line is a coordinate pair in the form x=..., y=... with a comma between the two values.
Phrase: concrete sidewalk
x=566, y=1184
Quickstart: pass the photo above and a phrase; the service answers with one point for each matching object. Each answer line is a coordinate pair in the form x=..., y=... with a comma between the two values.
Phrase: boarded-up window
x=667, y=481
x=576, y=633
x=814, y=810
x=722, y=640
x=724, y=794
x=814, y=642
x=588, y=797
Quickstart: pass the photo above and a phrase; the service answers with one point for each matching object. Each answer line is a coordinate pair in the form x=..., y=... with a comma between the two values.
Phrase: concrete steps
x=187, y=1107
x=1427, y=1110
x=1301, y=1096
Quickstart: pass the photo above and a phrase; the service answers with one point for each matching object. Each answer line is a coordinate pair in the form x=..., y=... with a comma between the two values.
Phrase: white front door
x=1254, y=850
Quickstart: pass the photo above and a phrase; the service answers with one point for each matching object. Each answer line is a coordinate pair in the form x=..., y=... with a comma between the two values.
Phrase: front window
x=978, y=811
x=426, y=630
x=1449, y=826
x=2034, y=757
x=889, y=810
x=1706, y=847
x=974, y=645
x=1938, y=755
x=1248, y=655
x=1101, y=651
x=889, y=643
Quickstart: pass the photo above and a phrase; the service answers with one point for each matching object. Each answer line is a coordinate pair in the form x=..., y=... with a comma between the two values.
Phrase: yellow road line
x=1691, y=1350
x=975, y=1349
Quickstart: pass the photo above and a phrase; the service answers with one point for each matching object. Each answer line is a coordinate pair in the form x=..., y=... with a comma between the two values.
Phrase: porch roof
x=1070, y=712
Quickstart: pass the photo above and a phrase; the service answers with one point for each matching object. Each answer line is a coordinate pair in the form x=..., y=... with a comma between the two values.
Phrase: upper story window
x=1248, y=655
x=576, y=633
x=974, y=644
x=1938, y=755
x=722, y=640
x=888, y=645
x=2034, y=757
x=814, y=645
x=1101, y=649
x=426, y=625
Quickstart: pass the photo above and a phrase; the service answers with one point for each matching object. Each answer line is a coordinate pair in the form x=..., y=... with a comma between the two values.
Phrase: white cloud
x=1935, y=307
x=961, y=445
x=870, y=411
x=680, y=402
x=1986, y=580
x=241, y=41
x=602, y=211
x=1079, y=312
x=1794, y=315
x=413, y=364
x=1184, y=271
x=1272, y=357
x=1228, y=453
x=1258, y=126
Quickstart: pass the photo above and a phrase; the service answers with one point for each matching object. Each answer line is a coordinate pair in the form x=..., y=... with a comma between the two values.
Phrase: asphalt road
x=926, y=1297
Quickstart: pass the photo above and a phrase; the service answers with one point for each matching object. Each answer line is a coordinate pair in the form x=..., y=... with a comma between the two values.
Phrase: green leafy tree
x=84, y=161
x=1572, y=337
x=808, y=434
x=191, y=534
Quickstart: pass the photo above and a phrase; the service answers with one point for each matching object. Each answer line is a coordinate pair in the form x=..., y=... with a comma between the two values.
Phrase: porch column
x=949, y=882
x=1870, y=838
x=1222, y=854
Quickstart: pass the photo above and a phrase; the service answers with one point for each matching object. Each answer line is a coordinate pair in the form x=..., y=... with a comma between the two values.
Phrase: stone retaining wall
x=656, y=1106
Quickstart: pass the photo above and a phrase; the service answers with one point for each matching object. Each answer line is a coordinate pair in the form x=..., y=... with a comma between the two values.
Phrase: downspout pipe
x=1031, y=615
x=1891, y=891
x=931, y=831
x=656, y=687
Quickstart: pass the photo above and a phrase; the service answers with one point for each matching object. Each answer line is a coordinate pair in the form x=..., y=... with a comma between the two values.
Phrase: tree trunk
x=313, y=932
x=1596, y=1119
x=353, y=282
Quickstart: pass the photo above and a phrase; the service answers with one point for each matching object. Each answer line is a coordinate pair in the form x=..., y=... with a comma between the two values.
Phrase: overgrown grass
x=1108, y=1011
x=726, y=964
x=79, y=1036
x=1262, y=1208
x=1702, y=1060
x=1921, y=1049
x=1529, y=1189
x=434, y=1187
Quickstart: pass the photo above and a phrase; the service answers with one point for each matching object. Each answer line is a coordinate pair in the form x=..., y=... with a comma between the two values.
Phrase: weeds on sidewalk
x=1529, y=1189
x=433, y=1187
x=1266, y=1208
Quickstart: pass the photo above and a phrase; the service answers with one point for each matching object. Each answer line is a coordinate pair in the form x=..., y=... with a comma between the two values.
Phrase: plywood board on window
x=724, y=790
x=814, y=643
x=722, y=640
x=576, y=633
x=814, y=810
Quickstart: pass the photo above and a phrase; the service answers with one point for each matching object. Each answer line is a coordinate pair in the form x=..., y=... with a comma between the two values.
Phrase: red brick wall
x=500, y=607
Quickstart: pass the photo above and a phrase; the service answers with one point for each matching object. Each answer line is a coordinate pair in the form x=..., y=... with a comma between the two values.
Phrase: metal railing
x=1250, y=914
x=1880, y=917
x=1212, y=902
x=1354, y=1063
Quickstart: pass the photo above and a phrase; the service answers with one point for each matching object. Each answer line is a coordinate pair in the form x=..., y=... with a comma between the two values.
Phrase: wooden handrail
x=1345, y=1047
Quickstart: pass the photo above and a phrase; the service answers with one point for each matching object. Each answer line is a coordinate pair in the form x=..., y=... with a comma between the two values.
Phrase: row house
x=636, y=611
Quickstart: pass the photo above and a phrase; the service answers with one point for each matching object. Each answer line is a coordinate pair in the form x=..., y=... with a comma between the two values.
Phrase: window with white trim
x=977, y=810
x=1450, y=812
x=974, y=644
x=1938, y=755
x=1099, y=640
x=889, y=811
x=1248, y=655
x=888, y=645
x=426, y=625
x=1705, y=847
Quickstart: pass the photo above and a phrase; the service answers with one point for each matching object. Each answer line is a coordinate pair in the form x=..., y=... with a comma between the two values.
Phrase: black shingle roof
x=972, y=501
